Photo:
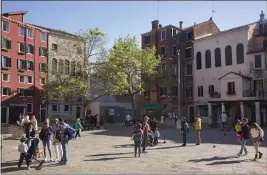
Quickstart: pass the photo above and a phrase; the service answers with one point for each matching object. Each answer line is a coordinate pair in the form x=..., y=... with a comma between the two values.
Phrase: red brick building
x=23, y=67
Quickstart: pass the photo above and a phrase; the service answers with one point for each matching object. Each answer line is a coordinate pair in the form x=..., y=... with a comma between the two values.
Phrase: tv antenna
x=158, y=10
x=212, y=9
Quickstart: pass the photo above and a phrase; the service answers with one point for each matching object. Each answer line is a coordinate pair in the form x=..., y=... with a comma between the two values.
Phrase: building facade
x=23, y=47
x=230, y=74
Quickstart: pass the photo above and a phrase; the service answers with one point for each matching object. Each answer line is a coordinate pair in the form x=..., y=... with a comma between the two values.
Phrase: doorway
x=14, y=113
x=191, y=114
x=78, y=111
x=4, y=115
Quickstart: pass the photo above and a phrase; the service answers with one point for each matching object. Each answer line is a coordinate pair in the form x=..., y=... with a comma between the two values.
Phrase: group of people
x=55, y=132
x=93, y=121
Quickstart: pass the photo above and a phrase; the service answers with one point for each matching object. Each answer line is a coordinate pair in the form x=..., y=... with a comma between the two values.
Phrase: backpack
x=70, y=133
x=137, y=137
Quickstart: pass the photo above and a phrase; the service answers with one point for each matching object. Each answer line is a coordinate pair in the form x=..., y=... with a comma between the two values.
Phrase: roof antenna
x=158, y=10
x=212, y=10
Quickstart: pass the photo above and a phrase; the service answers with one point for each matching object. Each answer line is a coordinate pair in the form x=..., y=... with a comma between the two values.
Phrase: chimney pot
x=155, y=24
x=181, y=24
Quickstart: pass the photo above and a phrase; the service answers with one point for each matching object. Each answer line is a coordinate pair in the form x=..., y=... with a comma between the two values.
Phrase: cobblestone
x=111, y=152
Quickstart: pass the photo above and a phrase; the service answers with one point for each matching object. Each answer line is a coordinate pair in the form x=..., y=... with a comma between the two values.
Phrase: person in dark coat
x=146, y=129
x=245, y=135
x=184, y=130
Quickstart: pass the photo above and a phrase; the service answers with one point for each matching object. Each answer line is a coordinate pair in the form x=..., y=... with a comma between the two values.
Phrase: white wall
x=238, y=87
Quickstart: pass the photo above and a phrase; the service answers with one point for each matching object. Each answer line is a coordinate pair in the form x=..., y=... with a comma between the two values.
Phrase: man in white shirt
x=127, y=120
x=23, y=149
x=224, y=120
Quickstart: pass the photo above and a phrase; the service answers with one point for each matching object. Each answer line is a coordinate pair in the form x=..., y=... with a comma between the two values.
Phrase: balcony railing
x=262, y=94
x=215, y=95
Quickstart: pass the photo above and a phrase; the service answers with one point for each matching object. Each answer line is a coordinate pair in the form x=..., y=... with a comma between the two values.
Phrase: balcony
x=259, y=73
x=258, y=95
x=215, y=95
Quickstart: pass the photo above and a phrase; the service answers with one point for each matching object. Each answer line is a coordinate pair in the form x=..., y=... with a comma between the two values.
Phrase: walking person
x=102, y=122
x=78, y=127
x=46, y=135
x=146, y=129
x=35, y=123
x=224, y=120
x=257, y=137
x=162, y=120
x=156, y=136
x=244, y=137
x=23, y=149
x=138, y=137
x=57, y=140
x=184, y=130
x=197, y=125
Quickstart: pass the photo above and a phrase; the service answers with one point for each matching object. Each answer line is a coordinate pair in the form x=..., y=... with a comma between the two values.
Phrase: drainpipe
x=179, y=84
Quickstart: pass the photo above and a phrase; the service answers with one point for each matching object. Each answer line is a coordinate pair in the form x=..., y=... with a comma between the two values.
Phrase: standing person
x=162, y=119
x=57, y=140
x=244, y=137
x=64, y=140
x=138, y=137
x=146, y=130
x=78, y=127
x=197, y=125
x=127, y=120
x=46, y=136
x=257, y=137
x=153, y=124
x=29, y=133
x=102, y=122
x=184, y=130
x=156, y=136
x=23, y=149
x=35, y=123
x=175, y=119
x=224, y=120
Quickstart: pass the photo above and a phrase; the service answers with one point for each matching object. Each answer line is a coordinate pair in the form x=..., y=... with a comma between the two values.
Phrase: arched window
x=208, y=59
x=240, y=53
x=54, y=65
x=218, y=60
x=67, y=67
x=73, y=69
x=199, y=61
x=61, y=66
x=228, y=55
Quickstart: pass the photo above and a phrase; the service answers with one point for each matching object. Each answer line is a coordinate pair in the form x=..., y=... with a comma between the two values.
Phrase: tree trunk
x=133, y=106
x=85, y=106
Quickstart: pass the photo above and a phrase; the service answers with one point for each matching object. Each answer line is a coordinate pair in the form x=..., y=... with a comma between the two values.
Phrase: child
x=138, y=137
x=238, y=130
x=23, y=149
x=156, y=136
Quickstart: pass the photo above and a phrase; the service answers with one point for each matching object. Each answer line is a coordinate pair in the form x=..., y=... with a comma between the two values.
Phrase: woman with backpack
x=257, y=137
x=184, y=130
x=46, y=136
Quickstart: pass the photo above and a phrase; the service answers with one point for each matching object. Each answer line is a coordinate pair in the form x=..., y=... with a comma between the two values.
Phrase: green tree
x=125, y=66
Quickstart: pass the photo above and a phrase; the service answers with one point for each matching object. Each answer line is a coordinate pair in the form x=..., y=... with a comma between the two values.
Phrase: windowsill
x=5, y=81
x=30, y=37
x=5, y=49
x=5, y=68
x=5, y=31
x=22, y=35
x=30, y=54
x=43, y=41
x=189, y=58
x=66, y=111
x=21, y=70
x=21, y=53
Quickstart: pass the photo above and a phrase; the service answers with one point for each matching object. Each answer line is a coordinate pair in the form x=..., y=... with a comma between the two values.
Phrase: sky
x=120, y=18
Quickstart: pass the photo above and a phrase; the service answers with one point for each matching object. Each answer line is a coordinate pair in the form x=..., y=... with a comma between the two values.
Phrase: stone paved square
x=111, y=152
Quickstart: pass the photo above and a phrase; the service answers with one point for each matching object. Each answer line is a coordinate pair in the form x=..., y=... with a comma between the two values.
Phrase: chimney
x=160, y=26
x=155, y=24
x=181, y=24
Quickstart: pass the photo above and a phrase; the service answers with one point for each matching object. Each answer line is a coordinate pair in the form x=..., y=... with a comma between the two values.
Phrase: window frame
x=218, y=57
x=208, y=59
x=165, y=35
x=189, y=88
x=44, y=37
x=7, y=60
x=147, y=38
x=3, y=26
x=191, y=53
x=174, y=51
x=228, y=56
x=231, y=89
x=28, y=79
x=31, y=108
x=6, y=41
x=68, y=107
x=20, y=30
x=199, y=61
x=19, y=47
x=8, y=77
x=32, y=32
x=240, y=59
x=256, y=66
x=41, y=81
x=23, y=79
x=8, y=93
x=52, y=109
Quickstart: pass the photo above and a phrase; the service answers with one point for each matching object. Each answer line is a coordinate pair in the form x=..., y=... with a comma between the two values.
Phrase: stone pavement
x=111, y=152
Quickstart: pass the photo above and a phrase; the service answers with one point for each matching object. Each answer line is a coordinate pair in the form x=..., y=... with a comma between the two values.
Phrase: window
x=43, y=36
x=67, y=67
x=25, y=92
x=21, y=31
x=199, y=61
x=189, y=36
x=258, y=61
x=163, y=68
x=30, y=65
x=21, y=79
x=6, y=62
x=54, y=46
x=228, y=55
x=54, y=65
x=163, y=34
x=6, y=91
x=163, y=91
x=200, y=91
x=174, y=32
x=163, y=51
x=174, y=69
x=73, y=69
x=203, y=110
x=29, y=48
x=208, y=59
x=188, y=52
x=174, y=51
x=29, y=33
x=218, y=62
x=61, y=66
x=189, y=91
x=29, y=80
x=211, y=89
x=175, y=91
x=42, y=51
x=55, y=108
x=147, y=39
x=22, y=47
x=42, y=81
x=24, y=64
x=240, y=53
x=231, y=88
x=43, y=67
x=189, y=69
x=5, y=26
x=146, y=92
x=6, y=44
x=29, y=107
x=5, y=77
x=66, y=108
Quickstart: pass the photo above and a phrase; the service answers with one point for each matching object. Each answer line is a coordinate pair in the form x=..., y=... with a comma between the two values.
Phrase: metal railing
x=215, y=95
x=260, y=94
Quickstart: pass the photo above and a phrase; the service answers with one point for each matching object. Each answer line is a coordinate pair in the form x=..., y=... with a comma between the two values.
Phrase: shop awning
x=17, y=105
x=153, y=106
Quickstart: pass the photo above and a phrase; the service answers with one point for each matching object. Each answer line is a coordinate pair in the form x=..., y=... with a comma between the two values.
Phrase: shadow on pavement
x=228, y=162
x=11, y=169
x=107, y=154
x=10, y=163
x=212, y=159
x=123, y=146
x=107, y=158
